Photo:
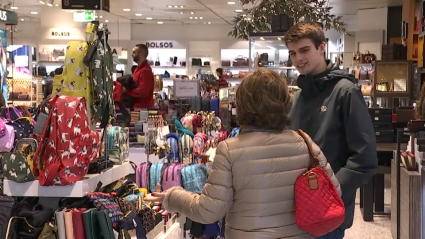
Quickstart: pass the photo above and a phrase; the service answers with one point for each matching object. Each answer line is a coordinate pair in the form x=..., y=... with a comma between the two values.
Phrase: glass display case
x=269, y=51
x=227, y=111
x=392, y=86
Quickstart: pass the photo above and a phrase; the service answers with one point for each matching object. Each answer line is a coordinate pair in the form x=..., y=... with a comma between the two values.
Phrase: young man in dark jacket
x=331, y=109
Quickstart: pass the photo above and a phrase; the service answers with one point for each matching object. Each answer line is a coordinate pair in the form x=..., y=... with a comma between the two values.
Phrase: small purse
x=157, y=62
x=104, y=201
x=146, y=214
x=50, y=231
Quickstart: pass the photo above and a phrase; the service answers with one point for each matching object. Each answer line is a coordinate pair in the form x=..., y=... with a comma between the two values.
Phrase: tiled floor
x=380, y=228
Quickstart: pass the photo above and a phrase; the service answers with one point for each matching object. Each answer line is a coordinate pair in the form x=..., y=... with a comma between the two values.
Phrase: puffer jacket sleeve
x=217, y=195
x=324, y=163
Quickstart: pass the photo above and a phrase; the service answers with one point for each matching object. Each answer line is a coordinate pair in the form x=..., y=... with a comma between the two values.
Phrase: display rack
x=79, y=189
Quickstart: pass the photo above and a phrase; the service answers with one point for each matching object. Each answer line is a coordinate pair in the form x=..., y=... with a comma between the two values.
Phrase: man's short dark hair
x=219, y=70
x=143, y=49
x=305, y=29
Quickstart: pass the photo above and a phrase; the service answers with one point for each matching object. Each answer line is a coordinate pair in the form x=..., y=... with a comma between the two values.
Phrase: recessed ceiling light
x=126, y=10
x=176, y=6
x=139, y=14
x=231, y=3
x=57, y=5
x=191, y=17
x=181, y=6
x=14, y=8
x=42, y=2
x=262, y=38
x=238, y=10
x=106, y=21
x=201, y=18
x=280, y=39
x=192, y=13
x=170, y=6
x=196, y=17
x=181, y=12
x=22, y=19
x=100, y=16
x=148, y=18
x=209, y=22
x=160, y=22
x=34, y=13
x=49, y=4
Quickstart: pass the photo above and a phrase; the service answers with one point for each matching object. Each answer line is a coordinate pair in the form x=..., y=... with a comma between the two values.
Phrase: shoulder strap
x=314, y=160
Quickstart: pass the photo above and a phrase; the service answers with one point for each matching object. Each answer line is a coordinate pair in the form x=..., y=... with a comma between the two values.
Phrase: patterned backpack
x=156, y=172
x=103, y=84
x=186, y=149
x=117, y=143
x=199, y=145
x=194, y=177
x=173, y=142
x=67, y=144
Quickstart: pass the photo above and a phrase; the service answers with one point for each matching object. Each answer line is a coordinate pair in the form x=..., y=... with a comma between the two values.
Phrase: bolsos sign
x=159, y=44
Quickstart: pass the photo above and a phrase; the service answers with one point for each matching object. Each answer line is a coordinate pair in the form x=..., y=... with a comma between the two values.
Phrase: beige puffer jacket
x=252, y=184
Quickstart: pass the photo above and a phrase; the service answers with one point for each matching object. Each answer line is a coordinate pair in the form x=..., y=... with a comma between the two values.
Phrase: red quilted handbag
x=318, y=207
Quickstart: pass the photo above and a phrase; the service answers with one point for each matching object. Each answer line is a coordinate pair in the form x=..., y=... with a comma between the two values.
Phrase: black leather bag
x=196, y=62
x=6, y=206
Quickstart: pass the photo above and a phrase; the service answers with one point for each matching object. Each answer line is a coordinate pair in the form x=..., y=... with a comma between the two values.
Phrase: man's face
x=305, y=57
x=137, y=55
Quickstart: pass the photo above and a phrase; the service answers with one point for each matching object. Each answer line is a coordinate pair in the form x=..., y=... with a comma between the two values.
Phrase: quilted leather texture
x=318, y=211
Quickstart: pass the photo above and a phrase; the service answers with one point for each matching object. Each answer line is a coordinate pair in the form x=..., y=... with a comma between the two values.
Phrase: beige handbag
x=158, y=85
x=367, y=89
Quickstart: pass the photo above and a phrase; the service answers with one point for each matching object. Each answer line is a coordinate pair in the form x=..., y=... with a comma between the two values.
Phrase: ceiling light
x=191, y=17
x=14, y=8
x=57, y=5
x=148, y=18
x=34, y=13
x=42, y=2
x=50, y=3
x=238, y=10
x=209, y=22
x=126, y=10
x=138, y=14
x=201, y=18
x=181, y=12
x=106, y=21
x=22, y=19
x=100, y=16
x=196, y=17
x=262, y=38
x=160, y=22
x=181, y=6
x=176, y=6
x=231, y=3
x=170, y=6
x=280, y=39
x=192, y=13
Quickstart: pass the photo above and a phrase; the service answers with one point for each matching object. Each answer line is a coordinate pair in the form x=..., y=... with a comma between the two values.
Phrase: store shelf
x=79, y=189
x=280, y=67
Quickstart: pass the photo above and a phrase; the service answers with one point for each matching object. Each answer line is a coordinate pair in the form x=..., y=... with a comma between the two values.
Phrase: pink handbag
x=2, y=128
x=6, y=142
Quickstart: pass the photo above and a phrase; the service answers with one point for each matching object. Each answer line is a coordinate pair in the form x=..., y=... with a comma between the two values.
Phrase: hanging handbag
x=367, y=89
x=357, y=59
x=318, y=206
x=368, y=57
x=157, y=62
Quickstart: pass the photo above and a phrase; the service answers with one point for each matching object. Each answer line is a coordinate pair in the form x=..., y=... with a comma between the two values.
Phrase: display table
x=79, y=189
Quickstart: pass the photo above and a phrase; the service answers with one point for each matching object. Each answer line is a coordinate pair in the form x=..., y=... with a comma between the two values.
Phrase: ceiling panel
x=211, y=11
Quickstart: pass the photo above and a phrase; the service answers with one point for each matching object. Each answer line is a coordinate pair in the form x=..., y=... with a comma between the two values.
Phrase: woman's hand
x=157, y=196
